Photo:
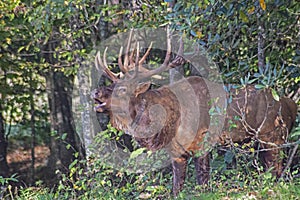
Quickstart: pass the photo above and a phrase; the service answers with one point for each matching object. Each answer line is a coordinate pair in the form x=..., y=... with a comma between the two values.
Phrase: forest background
x=44, y=43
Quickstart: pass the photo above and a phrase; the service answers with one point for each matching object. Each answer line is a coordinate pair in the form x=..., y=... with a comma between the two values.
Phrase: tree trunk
x=32, y=126
x=64, y=141
x=103, y=118
x=62, y=148
x=4, y=170
x=261, y=41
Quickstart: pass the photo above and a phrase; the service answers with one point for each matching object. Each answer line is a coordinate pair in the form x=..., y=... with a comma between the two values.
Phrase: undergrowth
x=104, y=182
x=236, y=173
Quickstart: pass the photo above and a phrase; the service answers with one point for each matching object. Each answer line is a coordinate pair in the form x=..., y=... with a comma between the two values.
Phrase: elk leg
x=179, y=171
x=202, y=169
x=271, y=158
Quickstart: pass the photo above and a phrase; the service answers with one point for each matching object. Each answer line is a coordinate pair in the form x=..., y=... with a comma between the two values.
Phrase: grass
x=109, y=184
x=282, y=191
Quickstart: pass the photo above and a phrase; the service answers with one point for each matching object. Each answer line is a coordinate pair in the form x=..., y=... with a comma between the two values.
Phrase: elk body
x=159, y=118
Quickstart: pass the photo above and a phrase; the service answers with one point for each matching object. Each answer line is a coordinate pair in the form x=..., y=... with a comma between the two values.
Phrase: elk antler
x=126, y=67
x=136, y=64
x=179, y=60
x=128, y=62
x=103, y=65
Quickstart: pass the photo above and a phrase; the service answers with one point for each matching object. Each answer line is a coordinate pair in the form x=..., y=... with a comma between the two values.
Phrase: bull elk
x=159, y=118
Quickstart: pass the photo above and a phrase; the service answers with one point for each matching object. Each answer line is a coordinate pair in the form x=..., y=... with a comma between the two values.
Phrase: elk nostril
x=94, y=94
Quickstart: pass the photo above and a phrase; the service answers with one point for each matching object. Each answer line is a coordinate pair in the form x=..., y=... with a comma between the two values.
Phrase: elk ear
x=141, y=88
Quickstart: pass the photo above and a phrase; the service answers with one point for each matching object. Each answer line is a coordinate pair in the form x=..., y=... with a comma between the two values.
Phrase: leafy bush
x=235, y=173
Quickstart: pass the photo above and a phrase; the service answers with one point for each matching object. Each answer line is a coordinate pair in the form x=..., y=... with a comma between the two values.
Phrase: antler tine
x=104, y=58
x=169, y=49
x=165, y=64
x=103, y=65
x=121, y=66
x=136, y=70
x=145, y=55
x=178, y=60
x=126, y=59
x=131, y=62
x=180, y=50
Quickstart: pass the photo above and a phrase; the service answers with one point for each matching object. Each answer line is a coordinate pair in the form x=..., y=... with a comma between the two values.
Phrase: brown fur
x=255, y=112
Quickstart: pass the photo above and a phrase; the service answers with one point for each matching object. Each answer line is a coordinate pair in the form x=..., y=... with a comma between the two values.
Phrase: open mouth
x=99, y=106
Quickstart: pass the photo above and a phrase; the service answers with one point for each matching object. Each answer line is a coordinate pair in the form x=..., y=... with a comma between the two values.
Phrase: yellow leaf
x=262, y=4
x=8, y=40
x=199, y=34
x=251, y=10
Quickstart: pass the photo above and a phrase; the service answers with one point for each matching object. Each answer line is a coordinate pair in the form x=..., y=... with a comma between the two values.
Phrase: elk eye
x=122, y=91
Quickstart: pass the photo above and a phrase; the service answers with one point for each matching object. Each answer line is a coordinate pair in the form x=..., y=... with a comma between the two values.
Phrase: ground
x=19, y=161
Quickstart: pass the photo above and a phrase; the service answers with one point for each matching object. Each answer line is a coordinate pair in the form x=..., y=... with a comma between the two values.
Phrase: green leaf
x=76, y=154
x=136, y=153
x=274, y=94
x=243, y=16
x=252, y=81
x=268, y=175
x=73, y=164
x=228, y=158
x=193, y=33
x=64, y=136
x=258, y=86
x=296, y=132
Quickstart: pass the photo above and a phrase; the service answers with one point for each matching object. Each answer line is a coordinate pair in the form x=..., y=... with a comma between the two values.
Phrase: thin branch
x=290, y=160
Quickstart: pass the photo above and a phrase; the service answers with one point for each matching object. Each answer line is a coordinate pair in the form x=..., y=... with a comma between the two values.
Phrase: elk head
x=118, y=97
